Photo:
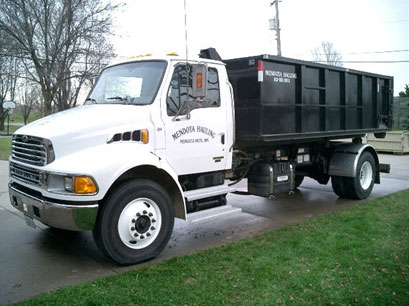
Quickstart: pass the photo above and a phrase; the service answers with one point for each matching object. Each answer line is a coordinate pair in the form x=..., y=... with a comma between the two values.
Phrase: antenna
x=187, y=65
x=186, y=45
x=186, y=103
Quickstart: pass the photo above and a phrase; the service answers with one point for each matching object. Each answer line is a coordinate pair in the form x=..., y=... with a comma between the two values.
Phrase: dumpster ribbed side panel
x=296, y=101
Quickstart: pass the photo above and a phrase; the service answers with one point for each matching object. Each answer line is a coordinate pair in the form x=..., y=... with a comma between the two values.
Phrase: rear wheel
x=360, y=186
x=135, y=222
x=338, y=186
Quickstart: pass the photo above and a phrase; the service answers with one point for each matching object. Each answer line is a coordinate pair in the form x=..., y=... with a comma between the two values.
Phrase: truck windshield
x=132, y=83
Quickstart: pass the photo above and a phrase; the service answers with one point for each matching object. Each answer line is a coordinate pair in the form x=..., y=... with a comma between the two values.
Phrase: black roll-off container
x=282, y=100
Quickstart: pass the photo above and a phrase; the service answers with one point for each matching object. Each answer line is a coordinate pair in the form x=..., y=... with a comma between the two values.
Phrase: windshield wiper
x=93, y=101
x=119, y=99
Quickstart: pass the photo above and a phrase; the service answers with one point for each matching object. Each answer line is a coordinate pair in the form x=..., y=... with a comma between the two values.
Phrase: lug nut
x=145, y=212
x=132, y=228
x=138, y=214
x=153, y=220
x=153, y=228
x=148, y=234
x=135, y=235
x=150, y=214
x=142, y=237
x=133, y=220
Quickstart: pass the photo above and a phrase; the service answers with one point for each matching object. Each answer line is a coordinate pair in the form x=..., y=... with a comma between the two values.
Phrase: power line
x=378, y=52
x=366, y=52
x=393, y=21
x=357, y=61
x=368, y=62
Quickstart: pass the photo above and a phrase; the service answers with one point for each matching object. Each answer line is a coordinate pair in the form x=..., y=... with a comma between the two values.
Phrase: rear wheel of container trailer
x=360, y=186
x=135, y=222
x=338, y=186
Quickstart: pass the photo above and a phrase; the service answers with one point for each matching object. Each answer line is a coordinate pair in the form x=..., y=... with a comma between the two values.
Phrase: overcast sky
x=361, y=30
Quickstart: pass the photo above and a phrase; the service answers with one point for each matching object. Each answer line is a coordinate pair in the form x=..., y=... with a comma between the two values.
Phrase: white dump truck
x=159, y=138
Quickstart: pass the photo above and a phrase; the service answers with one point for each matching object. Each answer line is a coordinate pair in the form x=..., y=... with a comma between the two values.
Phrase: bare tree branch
x=327, y=54
x=9, y=73
x=30, y=97
x=55, y=35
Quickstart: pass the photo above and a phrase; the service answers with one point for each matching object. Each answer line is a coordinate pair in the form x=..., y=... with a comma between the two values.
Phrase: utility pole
x=277, y=26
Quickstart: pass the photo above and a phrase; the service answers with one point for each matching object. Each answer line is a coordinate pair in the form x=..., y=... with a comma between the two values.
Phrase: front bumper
x=79, y=217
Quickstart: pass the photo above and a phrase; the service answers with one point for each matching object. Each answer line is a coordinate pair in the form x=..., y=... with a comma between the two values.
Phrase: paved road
x=33, y=261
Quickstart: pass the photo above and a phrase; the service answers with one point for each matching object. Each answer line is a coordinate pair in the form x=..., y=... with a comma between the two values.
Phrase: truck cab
x=146, y=121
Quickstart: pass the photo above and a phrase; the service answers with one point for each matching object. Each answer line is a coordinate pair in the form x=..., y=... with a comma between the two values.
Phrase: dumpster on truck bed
x=279, y=99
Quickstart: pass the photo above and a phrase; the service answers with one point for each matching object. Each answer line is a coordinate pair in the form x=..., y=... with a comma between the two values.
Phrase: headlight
x=69, y=183
x=66, y=184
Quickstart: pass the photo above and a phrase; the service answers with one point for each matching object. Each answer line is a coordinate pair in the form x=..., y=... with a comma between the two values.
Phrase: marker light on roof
x=140, y=55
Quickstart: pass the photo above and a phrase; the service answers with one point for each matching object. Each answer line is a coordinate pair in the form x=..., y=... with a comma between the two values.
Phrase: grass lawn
x=12, y=129
x=17, y=116
x=5, y=148
x=357, y=256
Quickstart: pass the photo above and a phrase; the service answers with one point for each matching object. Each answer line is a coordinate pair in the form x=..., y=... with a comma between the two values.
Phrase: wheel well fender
x=344, y=161
x=159, y=176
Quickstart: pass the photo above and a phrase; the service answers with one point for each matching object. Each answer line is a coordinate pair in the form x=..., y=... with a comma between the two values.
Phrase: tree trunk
x=2, y=120
x=48, y=101
x=3, y=116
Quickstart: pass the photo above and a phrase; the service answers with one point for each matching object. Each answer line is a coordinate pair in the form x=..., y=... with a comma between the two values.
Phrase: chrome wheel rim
x=365, y=176
x=139, y=223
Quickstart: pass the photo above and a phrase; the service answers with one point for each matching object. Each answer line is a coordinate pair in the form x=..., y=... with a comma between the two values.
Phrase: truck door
x=195, y=130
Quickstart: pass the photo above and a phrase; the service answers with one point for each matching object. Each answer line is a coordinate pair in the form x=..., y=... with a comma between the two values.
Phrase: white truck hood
x=86, y=126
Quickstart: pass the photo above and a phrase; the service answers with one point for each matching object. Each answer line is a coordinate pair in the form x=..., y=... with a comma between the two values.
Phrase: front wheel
x=135, y=222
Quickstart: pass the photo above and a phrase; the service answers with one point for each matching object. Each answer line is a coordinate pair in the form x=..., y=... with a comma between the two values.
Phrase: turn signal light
x=84, y=185
x=199, y=80
x=145, y=136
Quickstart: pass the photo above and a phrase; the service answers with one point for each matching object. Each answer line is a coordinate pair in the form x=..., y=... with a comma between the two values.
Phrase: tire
x=360, y=186
x=338, y=186
x=298, y=181
x=135, y=222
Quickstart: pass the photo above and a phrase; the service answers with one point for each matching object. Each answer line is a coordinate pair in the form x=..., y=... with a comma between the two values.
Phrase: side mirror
x=199, y=76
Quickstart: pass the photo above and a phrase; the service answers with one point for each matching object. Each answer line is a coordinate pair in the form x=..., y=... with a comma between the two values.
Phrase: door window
x=180, y=91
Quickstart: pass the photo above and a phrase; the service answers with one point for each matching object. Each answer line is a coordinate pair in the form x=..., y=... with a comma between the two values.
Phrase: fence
x=401, y=113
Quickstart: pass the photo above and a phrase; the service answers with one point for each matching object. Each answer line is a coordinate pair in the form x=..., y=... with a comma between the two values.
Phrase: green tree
x=406, y=92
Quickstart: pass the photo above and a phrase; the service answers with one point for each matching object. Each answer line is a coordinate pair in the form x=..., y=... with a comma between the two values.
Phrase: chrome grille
x=28, y=175
x=30, y=150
